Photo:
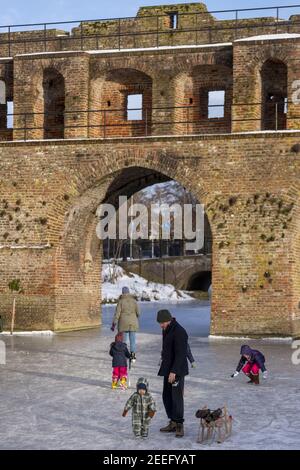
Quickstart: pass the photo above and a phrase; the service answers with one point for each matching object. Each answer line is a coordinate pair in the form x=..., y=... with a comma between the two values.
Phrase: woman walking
x=126, y=316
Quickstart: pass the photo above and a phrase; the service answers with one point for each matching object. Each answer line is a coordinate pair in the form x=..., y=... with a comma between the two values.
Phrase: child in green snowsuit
x=143, y=408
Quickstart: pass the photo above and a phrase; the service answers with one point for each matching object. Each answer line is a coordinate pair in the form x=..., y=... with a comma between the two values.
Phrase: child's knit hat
x=119, y=337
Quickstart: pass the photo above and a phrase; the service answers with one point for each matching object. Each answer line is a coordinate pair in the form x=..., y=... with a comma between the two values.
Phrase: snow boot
x=123, y=383
x=114, y=384
x=254, y=379
x=179, y=430
x=171, y=427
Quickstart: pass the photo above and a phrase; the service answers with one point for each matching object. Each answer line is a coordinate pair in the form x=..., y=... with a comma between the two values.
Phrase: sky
x=38, y=11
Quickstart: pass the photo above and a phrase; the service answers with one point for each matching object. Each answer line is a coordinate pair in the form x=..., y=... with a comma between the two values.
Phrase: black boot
x=171, y=427
x=254, y=379
x=179, y=430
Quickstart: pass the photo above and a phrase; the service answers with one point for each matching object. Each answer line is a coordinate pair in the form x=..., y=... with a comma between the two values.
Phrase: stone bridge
x=74, y=143
x=249, y=184
x=191, y=272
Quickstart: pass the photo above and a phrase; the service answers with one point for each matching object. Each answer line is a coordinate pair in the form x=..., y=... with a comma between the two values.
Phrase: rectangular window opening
x=10, y=112
x=173, y=20
x=2, y=92
x=135, y=107
x=216, y=104
x=286, y=106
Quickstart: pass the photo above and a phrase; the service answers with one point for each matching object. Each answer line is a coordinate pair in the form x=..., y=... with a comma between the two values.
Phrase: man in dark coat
x=174, y=367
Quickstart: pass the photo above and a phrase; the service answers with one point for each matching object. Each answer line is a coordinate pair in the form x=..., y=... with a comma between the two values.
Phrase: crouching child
x=143, y=408
x=251, y=362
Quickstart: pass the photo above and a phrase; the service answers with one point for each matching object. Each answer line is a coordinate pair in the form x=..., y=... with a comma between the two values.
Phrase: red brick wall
x=245, y=182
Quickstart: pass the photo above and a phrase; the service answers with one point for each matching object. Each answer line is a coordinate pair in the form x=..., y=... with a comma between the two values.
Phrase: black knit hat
x=163, y=316
x=141, y=386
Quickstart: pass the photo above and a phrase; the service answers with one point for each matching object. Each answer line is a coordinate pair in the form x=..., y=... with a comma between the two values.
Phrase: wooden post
x=13, y=316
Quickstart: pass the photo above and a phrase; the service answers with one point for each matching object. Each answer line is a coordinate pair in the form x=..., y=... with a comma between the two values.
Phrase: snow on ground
x=55, y=394
x=270, y=37
x=138, y=286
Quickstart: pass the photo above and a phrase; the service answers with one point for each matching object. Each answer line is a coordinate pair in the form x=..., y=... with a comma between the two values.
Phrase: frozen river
x=193, y=315
x=55, y=390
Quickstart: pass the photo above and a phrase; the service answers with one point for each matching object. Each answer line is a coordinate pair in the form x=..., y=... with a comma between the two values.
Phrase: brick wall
x=151, y=27
x=250, y=187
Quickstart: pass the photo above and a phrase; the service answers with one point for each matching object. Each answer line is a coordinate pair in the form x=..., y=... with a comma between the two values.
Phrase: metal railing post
x=157, y=27
x=25, y=127
x=276, y=116
x=187, y=120
x=119, y=34
x=81, y=36
x=9, y=45
x=146, y=119
x=45, y=37
x=236, y=23
x=277, y=18
x=104, y=123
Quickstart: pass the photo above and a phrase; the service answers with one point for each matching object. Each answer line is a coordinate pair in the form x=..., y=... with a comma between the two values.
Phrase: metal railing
x=147, y=249
x=126, y=30
x=156, y=121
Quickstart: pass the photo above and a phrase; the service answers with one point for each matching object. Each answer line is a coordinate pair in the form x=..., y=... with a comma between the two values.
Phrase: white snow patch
x=160, y=48
x=29, y=333
x=287, y=339
x=228, y=338
x=114, y=51
x=24, y=247
x=138, y=286
x=270, y=37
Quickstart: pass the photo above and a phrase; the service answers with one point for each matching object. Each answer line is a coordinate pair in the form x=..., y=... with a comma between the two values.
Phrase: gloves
x=113, y=326
x=265, y=374
x=150, y=414
x=235, y=374
x=124, y=413
x=193, y=365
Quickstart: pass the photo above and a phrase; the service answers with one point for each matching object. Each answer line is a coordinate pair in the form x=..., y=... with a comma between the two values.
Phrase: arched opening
x=80, y=250
x=121, y=104
x=274, y=95
x=203, y=100
x=159, y=264
x=200, y=281
x=54, y=104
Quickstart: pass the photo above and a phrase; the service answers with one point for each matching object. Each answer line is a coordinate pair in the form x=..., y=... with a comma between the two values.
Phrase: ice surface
x=55, y=392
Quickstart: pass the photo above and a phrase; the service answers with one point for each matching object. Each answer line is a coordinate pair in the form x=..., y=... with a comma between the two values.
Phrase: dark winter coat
x=174, y=351
x=119, y=353
x=255, y=357
x=189, y=354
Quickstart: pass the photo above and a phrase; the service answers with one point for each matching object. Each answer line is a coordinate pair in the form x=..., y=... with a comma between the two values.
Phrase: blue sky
x=36, y=11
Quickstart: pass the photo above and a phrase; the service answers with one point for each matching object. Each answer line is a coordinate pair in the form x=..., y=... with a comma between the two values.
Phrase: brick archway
x=78, y=256
x=248, y=183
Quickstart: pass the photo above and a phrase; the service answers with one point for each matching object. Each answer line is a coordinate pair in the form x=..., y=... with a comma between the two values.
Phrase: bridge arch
x=78, y=257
